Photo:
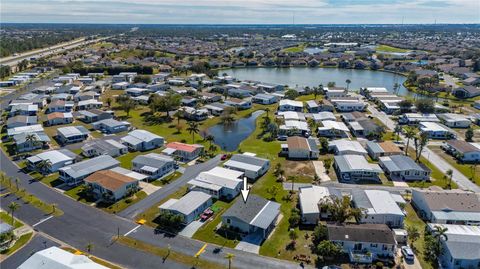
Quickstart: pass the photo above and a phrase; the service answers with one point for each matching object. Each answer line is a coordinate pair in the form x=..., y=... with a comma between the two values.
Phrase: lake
x=229, y=137
x=305, y=76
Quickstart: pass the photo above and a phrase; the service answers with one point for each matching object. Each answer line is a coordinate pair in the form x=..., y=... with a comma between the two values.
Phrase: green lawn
x=207, y=232
x=299, y=48
x=124, y=203
x=413, y=220
x=468, y=170
x=438, y=177
x=7, y=218
x=167, y=180
x=18, y=244
x=386, y=48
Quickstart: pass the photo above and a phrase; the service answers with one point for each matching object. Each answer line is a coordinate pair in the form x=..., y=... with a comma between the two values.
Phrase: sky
x=241, y=11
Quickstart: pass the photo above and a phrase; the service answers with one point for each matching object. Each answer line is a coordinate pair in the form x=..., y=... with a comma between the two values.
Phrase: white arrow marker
x=245, y=190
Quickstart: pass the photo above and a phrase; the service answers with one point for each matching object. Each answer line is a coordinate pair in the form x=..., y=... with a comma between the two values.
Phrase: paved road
x=37, y=243
x=190, y=172
x=462, y=181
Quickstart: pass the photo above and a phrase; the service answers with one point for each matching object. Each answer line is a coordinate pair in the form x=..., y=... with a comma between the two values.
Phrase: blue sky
x=241, y=11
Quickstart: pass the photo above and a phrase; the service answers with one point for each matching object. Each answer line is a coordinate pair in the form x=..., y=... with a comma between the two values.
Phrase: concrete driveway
x=320, y=171
x=415, y=264
x=250, y=243
x=191, y=228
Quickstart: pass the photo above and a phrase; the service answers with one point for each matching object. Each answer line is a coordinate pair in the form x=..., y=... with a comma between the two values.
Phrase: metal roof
x=397, y=163
x=257, y=211
x=152, y=160
x=90, y=166
x=73, y=131
x=55, y=156
x=353, y=163
x=188, y=203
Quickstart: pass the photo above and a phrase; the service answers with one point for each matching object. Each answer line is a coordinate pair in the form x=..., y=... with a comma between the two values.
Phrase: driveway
x=250, y=243
x=320, y=171
x=191, y=228
x=415, y=264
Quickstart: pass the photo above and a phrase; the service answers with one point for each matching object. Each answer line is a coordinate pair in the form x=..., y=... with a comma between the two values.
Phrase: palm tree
x=13, y=207
x=410, y=133
x=31, y=139
x=210, y=139
x=89, y=247
x=439, y=234
x=229, y=257
x=193, y=129
x=54, y=208
x=44, y=165
x=449, y=173
x=267, y=110
x=16, y=183
x=348, y=81
x=397, y=131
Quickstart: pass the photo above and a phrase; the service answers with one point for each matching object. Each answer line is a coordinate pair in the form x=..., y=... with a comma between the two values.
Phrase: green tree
x=44, y=166
x=324, y=144
x=89, y=247
x=341, y=210
x=291, y=94
x=229, y=257
x=449, y=174
x=294, y=219
x=397, y=131
x=328, y=249
x=331, y=84
x=348, y=81
x=425, y=105
x=420, y=141
x=273, y=191
x=228, y=116
x=13, y=207
x=413, y=233
x=327, y=163
x=469, y=135
x=410, y=133
x=192, y=129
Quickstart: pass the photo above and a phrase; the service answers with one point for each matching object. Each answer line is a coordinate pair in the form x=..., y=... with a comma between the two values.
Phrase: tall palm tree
x=397, y=131
x=410, y=133
x=210, y=139
x=31, y=139
x=44, y=165
x=348, y=81
x=229, y=257
x=267, y=110
x=13, y=207
x=193, y=129
x=439, y=234
x=449, y=173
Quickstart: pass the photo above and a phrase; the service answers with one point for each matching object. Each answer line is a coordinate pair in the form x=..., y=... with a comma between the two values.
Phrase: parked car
x=282, y=138
x=224, y=157
x=408, y=253
x=206, y=214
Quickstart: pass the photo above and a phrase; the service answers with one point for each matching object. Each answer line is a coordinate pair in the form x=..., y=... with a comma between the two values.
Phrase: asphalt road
x=190, y=172
x=37, y=243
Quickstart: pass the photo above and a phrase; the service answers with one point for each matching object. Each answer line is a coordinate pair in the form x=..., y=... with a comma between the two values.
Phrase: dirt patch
x=303, y=169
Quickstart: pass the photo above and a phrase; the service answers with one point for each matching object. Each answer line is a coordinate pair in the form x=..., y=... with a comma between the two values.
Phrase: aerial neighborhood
x=184, y=144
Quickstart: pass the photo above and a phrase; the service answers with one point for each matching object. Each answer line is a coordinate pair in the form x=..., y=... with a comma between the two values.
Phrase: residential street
x=462, y=181
x=37, y=243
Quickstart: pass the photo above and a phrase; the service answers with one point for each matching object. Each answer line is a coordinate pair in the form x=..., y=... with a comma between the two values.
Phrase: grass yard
x=126, y=159
x=123, y=203
x=470, y=171
x=413, y=220
x=386, y=48
x=18, y=244
x=7, y=218
x=207, y=233
x=78, y=194
x=298, y=48
x=166, y=180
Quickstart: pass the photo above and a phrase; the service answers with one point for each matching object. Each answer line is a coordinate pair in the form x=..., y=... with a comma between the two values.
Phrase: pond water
x=313, y=50
x=229, y=137
x=305, y=76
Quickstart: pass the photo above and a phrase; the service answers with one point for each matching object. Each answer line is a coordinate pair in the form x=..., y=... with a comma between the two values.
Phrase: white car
x=408, y=253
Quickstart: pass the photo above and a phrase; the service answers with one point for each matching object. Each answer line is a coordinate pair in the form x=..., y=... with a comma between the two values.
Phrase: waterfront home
x=72, y=134
x=103, y=147
x=300, y=148
x=111, y=126
x=238, y=103
x=461, y=248
x=363, y=242
x=335, y=92
x=355, y=168
x=54, y=257
x=255, y=216
x=294, y=128
x=453, y=120
x=264, y=99
x=154, y=165
x=142, y=140
x=89, y=104
x=404, y=168
x=220, y=183
x=189, y=207
x=75, y=173
x=346, y=147
x=380, y=207
x=311, y=199
x=346, y=104
x=380, y=149
x=415, y=118
x=185, y=152
x=466, y=92
x=56, y=158
x=210, y=97
x=464, y=151
x=216, y=109
x=59, y=118
x=368, y=91
x=194, y=114
x=110, y=186
x=447, y=206
x=292, y=116
x=253, y=167
x=436, y=130
x=23, y=144
x=290, y=105
x=332, y=128
x=20, y=121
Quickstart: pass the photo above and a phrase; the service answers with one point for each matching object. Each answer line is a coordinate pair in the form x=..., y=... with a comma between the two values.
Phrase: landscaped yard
x=7, y=218
x=413, y=220
x=470, y=171
x=18, y=244
x=167, y=180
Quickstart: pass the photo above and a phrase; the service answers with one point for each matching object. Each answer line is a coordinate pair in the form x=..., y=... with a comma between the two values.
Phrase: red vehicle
x=206, y=214
x=224, y=157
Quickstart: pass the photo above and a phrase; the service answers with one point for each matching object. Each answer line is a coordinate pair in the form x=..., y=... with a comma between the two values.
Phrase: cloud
x=241, y=11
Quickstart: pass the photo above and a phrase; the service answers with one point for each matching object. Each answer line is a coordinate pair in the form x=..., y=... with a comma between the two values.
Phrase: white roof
x=292, y=115
x=432, y=127
x=310, y=196
x=376, y=89
x=382, y=203
x=324, y=115
x=330, y=124
x=138, y=136
x=55, y=156
x=25, y=129
x=89, y=101
x=289, y=102
x=188, y=203
x=56, y=258
x=300, y=125
x=217, y=178
x=453, y=117
x=344, y=145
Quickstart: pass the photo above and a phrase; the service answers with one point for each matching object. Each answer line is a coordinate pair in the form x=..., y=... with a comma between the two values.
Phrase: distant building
x=186, y=152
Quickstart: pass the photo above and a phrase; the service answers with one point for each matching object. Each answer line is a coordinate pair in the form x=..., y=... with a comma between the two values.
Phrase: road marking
x=201, y=250
x=42, y=221
x=132, y=230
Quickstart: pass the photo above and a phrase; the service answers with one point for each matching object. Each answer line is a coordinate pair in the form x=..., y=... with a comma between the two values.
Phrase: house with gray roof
x=142, y=140
x=20, y=120
x=57, y=158
x=264, y=99
x=189, y=206
x=466, y=92
x=404, y=168
x=221, y=183
x=75, y=173
x=93, y=115
x=111, y=126
x=72, y=134
x=311, y=199
x=355, y=168
x=103, y=147
x=380, y=149
x=253, y=167
x=256, y=216
x=24, y=144
x=23, y=109
x=380, y=207
x=447, y=206
x=154, y=165
x=363, y=243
